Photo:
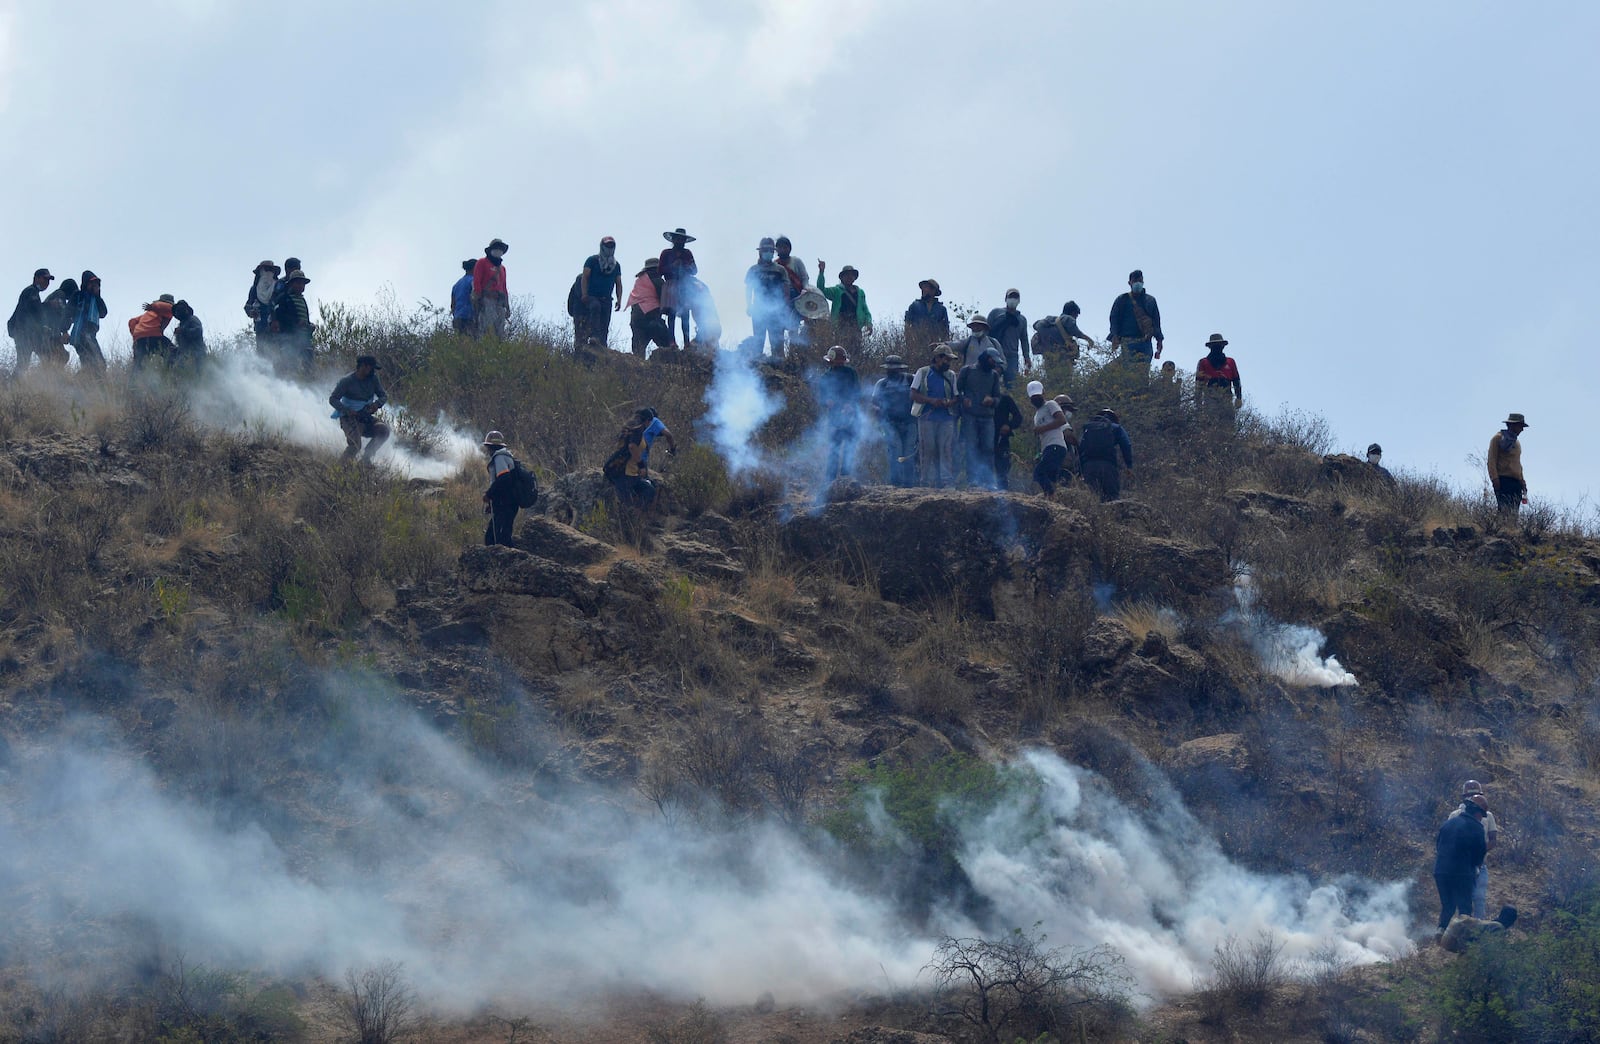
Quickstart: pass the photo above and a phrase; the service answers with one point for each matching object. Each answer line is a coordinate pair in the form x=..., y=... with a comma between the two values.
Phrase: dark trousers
x=90, y=360
x=146, y=348
x=1455, y=895
x=634, y=490
x=841, y=452
x=768, y=330
x=502, y=523
x=460, y=325
x=900, y=440
x=977, y=439
x=648, y=328
x=1047, y=472
x=1103, y=477
x=1508, y=494
x=593, y=320
x=1002, y=462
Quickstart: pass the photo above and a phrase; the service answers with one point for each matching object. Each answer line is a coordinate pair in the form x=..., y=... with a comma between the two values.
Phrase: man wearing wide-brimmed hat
x=891, y=402
x=926, y=318
x=678, y=268
x=849, y=313
x=356, y=400
x=500, y=499
x=291, y=321
x=1214, y=375
x=491, y=302
x=1505, y=466
x=258, y=301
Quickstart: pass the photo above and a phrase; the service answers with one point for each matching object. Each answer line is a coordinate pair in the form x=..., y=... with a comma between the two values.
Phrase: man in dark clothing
x=1458, y=852
x=1136, y=323
x=462, y=320
x=87, y=311
x=356, y=400
x=58, y=317
x=644, y=309
x=190, y=338
x=926, y=319
x=291, y=322
x=600, y=282
x=259, y=302
x=1010, y=327
x=1007, y=420
x=29, y=325
x=767, y=300
x=891, y=401
x=979, y=388
x=838, y=394
x=1055, y=341
x=1098, y=445
x=799, y=277
x=500, y=499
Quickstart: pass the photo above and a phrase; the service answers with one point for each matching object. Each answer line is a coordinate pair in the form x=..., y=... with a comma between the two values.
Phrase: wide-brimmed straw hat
x=677, y=233
x=1517, y=418
x=494, y=438
x=1216, y=340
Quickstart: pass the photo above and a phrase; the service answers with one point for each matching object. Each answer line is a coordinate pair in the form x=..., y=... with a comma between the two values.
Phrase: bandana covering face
x=266, y=282
x=608, y=257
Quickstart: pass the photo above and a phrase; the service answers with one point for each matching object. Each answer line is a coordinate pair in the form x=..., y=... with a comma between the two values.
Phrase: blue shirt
x=650, y=433
x=601, y=282
x=461, y=298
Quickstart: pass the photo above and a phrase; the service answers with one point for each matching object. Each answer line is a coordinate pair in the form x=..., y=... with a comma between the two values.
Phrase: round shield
x=810, y=304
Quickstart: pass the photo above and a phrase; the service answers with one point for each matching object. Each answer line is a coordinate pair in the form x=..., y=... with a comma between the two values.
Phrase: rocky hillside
x=242, y=645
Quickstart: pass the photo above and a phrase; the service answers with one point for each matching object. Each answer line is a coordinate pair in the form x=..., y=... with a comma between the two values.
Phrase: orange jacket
x=153, y=323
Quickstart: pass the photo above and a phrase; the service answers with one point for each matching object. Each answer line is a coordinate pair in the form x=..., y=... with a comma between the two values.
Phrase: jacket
x=1505, y=462
x=1101, y=440
x=1010, y=329
x=358, y=389
x=293, y=316
x=919, y=383
x=87, y=311
x=973, y=346
x=1006, y=415
x=28, y=318
x=926, y=321
x=1125, y=324
x=835, y=295
x=190, y=336
x=976, y=384
x=1460, y=847
x=152, y=323
x=461, y=298
x=891, y=397
x=488, y=279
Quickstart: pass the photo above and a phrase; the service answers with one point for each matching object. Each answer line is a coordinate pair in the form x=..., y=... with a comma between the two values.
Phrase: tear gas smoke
x=1289, y=652
x=239, y=392
x=411, y=849
x=737, y=405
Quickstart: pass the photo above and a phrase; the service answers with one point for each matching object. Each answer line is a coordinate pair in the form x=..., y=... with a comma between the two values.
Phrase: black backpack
x=524, y=485
x=1098, y=441
x=575, y=296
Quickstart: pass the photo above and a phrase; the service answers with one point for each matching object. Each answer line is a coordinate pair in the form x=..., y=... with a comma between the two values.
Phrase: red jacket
x=1217, y=376
x=153, y=323
x=488, y=278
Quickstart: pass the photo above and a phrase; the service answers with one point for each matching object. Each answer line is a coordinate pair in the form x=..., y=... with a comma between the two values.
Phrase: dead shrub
x=1244, y=977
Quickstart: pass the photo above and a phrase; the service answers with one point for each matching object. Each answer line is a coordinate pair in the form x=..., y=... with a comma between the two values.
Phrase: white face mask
x=1136, y=287
x=1012, y=302
x=765, y=255
x=497, y=253
x=1373, y=458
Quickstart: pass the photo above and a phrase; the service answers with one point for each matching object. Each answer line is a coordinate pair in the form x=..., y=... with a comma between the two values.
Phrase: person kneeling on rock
x=628, y=467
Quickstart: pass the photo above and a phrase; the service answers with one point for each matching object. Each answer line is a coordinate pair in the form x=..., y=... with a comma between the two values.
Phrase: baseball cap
x=1035, y=388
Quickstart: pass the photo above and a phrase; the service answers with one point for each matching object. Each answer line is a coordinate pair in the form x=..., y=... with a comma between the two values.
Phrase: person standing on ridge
x=1472, y=791
x=677, y=265
x=491, y=301
x=926, y=318
x=258, y=302
x=933, y=394
x=149, y=331
x=980, y=388
x=356, y=400
x=58, y=316
x=291, y=322
x=29, y=324
x=891, y=402
x=88, y=309
x=600, y=293
x=1136, y=324
x=461, y=316
x=838, y=400
x=500, y=499
x=766, y=299
x=1055, y=341
x=1213, y=375
x=1007, y=422
x=1375, y=461
x=850, y=315
x=971, y=348
x=1505, y=466
x=189, y=338
x=644, y=309
x=1102, y=439
x=1050, y=424
x=1458, y=852
x=1010, y=327
x=799, y=278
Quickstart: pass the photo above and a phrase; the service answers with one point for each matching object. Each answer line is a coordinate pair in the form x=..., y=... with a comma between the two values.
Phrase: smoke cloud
x=737, y=405
x=493, y=888
x=1289, y=652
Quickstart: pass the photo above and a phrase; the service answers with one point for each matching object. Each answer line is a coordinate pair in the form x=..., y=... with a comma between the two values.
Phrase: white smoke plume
x=737, y=405
x=1289, y=652
x=239, y=392
x=414, y=850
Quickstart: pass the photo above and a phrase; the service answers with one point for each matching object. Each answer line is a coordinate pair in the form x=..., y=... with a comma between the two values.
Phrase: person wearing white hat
x=971, y=348
x=1050, y=424
x=499, y=500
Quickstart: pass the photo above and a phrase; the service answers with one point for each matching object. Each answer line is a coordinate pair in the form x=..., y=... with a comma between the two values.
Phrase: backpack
x=616, y=465
x=1098, y=442
x=575, y=296
x=524, y=485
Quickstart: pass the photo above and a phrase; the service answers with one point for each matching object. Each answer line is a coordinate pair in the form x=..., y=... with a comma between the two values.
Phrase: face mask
x=497, y=254
x=765, y=255
x=607, y=251
x=1373, y=458
x=1012, y=302
x=1216, y=356
x=1138, y=287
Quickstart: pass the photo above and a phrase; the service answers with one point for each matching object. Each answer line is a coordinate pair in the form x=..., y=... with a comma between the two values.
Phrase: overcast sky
x=1388, y=208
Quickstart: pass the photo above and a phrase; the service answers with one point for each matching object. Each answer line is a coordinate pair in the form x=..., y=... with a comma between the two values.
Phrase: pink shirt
x=644, y=294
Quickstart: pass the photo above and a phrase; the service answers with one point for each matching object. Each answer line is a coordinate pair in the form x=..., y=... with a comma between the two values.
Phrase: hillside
x=268, y=717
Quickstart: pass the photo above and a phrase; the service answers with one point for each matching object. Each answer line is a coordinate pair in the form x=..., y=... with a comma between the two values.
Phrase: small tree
x=1014, y=984
x=378, y=1005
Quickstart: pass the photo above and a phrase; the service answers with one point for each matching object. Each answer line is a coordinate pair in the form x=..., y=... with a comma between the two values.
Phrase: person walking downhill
x=1103, y=438
x=1056, y=341
x=598, y=284
x=645, y=321
x=491, y=301
x=891, y=402
x=356, y=400
x=933, y=394
x=926, y=318
x=88, y=310
x=1010, y=327
x=1136, y=324
x=628, y=467
x=980, y=388
x=462, y=318
x=851, y=317
x=1050, y=425
x=500, y=499
x=1458, y=852
x=677, y=266
x=58, y=316
x=1505, y=467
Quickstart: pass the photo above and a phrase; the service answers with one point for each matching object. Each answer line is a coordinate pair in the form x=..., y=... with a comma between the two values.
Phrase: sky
x=1388, y=209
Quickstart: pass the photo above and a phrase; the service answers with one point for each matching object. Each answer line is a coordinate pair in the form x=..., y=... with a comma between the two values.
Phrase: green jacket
x=833, y=293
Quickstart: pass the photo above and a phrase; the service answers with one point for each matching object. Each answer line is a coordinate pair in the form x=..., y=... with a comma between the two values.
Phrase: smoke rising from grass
x=1289, y=652
x=737, y=405
x=407, y=847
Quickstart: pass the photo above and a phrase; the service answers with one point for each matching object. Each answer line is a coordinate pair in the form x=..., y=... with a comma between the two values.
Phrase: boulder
x=545, y=537
x=634, y=578
x=1107, y=643
x=1189, y=568
x=1225, y=752
x=1272, y=505
x=508, y=571
x=703, y=561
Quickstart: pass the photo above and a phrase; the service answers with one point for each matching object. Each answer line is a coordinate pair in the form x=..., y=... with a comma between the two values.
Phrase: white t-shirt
x=1049, y=413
